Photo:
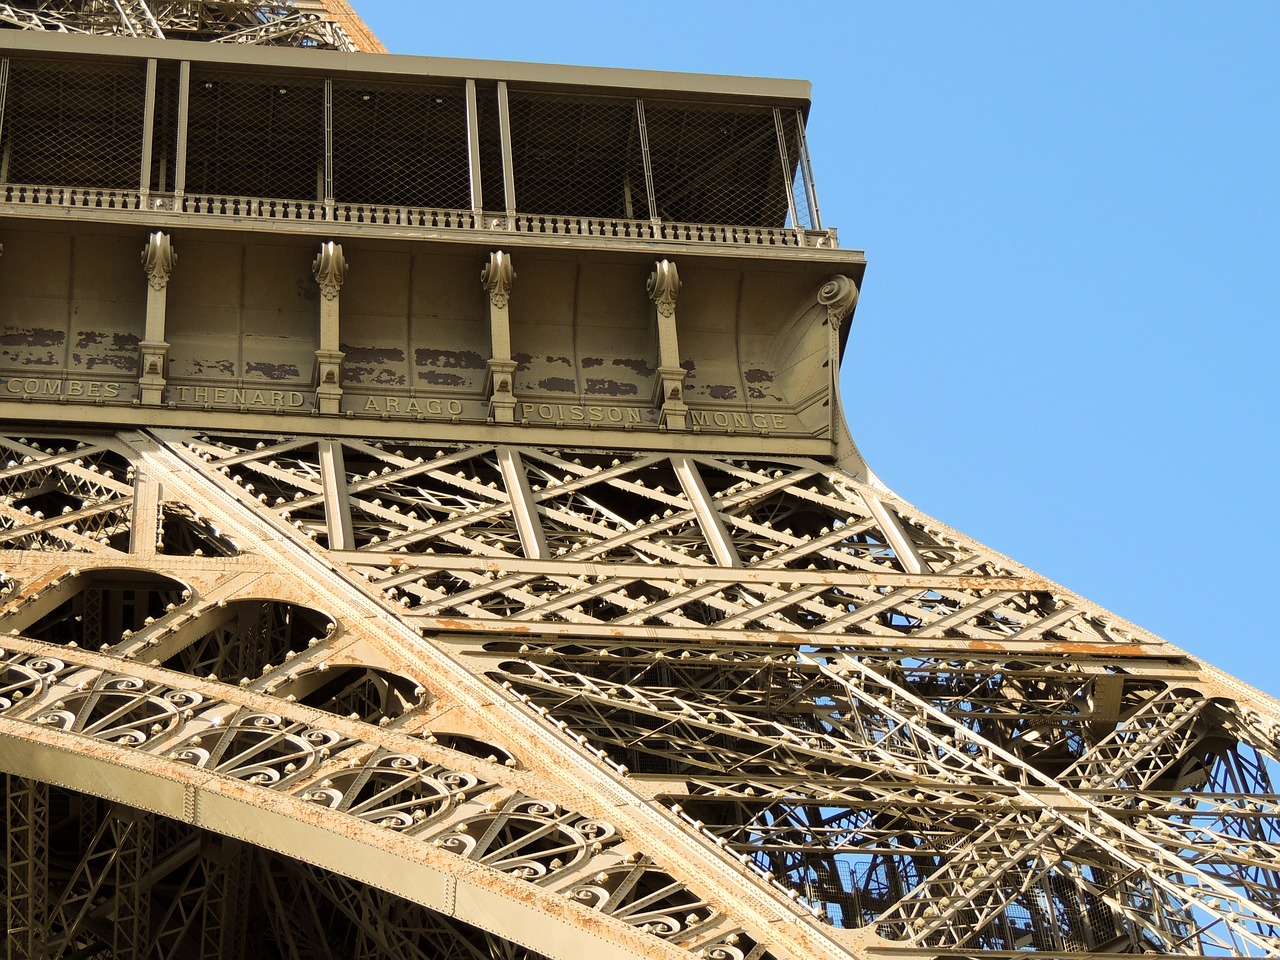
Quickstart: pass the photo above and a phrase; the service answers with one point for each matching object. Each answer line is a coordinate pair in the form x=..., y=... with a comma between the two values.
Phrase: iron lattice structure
x=402, y=616
x=326, y=24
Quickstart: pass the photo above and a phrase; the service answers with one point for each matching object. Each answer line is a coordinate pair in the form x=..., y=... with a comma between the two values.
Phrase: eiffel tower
x=446, y=543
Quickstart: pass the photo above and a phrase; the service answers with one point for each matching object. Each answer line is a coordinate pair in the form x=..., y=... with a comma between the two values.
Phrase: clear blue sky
x=1066, y=345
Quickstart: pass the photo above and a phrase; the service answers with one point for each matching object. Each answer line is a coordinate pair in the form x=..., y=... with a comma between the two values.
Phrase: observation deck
x=408, y=142
x=264, y=171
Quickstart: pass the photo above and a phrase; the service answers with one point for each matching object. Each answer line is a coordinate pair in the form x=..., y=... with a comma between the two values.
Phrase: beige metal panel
x=35, y=276
x=202, y=321
x=54, y=757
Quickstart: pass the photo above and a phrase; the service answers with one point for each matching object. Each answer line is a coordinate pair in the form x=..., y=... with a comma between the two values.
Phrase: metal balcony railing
x=433, y=154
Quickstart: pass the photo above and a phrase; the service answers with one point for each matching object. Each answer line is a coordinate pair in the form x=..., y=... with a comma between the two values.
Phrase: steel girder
x=283, y=22
x=735, y=707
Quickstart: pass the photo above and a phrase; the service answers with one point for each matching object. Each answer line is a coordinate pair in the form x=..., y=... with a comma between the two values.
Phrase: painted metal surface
x=392, y=580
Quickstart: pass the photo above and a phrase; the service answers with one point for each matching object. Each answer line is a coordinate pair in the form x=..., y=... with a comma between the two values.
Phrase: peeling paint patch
x=372, y=354
x=565, y=360
x=592, y=361
x=308, y=289
x=33, y=337
x=756, y=375
x=126, y=362
x=755, y=393
x=639, y=366
x=382, y=376
x=27, y=360
x=449, y=359
x=688, y=366
x=89, y=338
x=271, y=371
x=611, y=388
x=225, y=367
x=557, y=383
x=522, y=361
x=723, y=391
x=125, y=341
x=442, y=379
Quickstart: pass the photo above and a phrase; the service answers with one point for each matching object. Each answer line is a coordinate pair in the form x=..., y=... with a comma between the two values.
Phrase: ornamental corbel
x=330, y=269
x=497, y=277
x=158, y=259
x=839, y=295
x=664, y=287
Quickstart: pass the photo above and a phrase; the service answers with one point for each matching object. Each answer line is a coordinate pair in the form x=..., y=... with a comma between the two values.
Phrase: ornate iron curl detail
x=396, y=791
x=839, y=295
x=530, y=839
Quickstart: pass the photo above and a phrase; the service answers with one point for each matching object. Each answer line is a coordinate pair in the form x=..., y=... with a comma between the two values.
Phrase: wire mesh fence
x=256, y=135
x=715, y=164
x=577, y=155
x=400, y=144
x=75, y=124
x=566, y=162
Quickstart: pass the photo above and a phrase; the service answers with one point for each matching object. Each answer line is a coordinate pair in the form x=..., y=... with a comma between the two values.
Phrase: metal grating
x=73, y=124
x=253, y=135
x=400, y=144
x=577, y=155
x=716, y=164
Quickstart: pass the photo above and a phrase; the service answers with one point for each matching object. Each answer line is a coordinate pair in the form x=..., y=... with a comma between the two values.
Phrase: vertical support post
x=473, y=149
x=328, y=149
x=650, y=194
x=497, y=277
x=158, y=259
x=508, y=168
x=26, y=866
x=664, y=287
x=532, y=536
x=225, y=914
x=787, y=180
x=810, y=191
x=337, y=507
x=144, y=530
x=4, y=89
x=134, y=836
x=330, y=269
x=180, y=154
x=148, y=134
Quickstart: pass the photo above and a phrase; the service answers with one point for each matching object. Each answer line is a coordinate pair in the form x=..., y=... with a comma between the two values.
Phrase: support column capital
x=664, y=287
x=158, y=259
x=330, y=269
x=497, y=276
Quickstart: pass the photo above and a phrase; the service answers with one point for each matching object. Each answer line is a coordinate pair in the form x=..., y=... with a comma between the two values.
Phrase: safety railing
x=409, y=217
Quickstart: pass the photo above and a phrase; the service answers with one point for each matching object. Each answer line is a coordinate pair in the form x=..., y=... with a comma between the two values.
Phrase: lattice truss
x=687, y=696
x=306, y=23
